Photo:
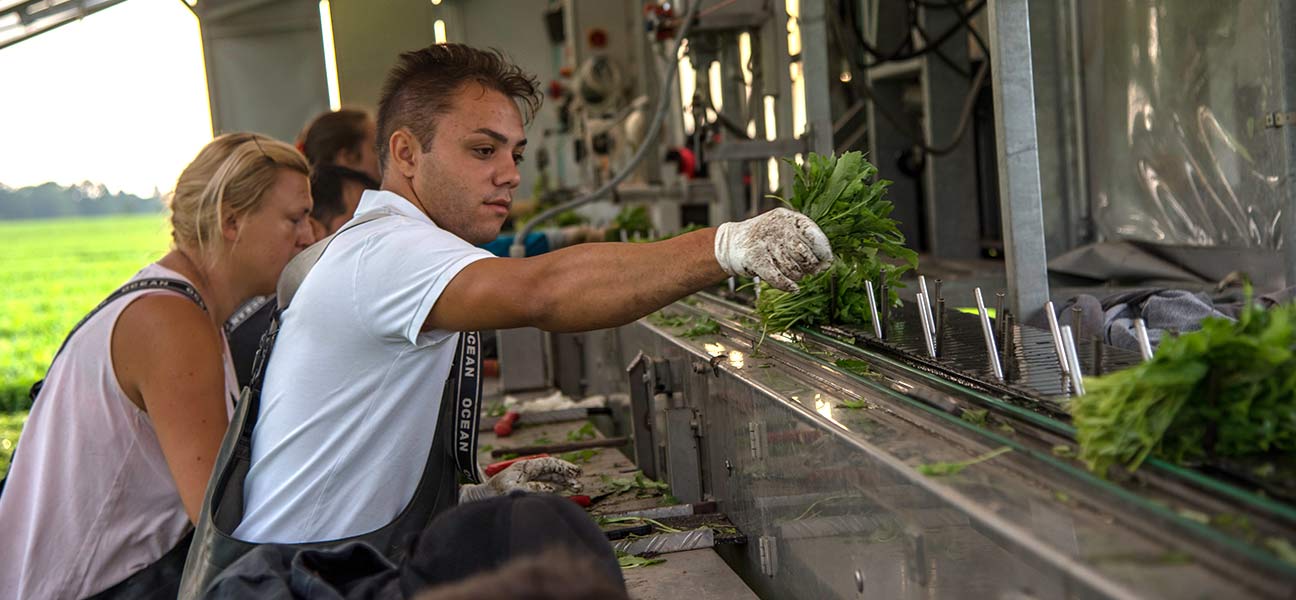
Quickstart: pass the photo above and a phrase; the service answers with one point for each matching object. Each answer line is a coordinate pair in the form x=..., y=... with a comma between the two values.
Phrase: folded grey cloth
x=1162, y=310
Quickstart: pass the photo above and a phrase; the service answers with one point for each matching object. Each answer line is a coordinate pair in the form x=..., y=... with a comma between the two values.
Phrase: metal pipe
x=1077, y=376
x=989, y=336
x=877, y=319
x=1144, y=342
x=518, y=249
x=925, y=319
x=1058, y=344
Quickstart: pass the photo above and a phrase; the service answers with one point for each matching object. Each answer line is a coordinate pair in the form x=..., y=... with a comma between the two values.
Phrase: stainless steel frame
x=818, y=467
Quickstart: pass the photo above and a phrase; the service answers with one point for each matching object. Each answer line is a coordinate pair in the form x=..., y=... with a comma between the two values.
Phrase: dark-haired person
x=366, y=346
x=110, y=473
x=345, y=137
x=336, y=190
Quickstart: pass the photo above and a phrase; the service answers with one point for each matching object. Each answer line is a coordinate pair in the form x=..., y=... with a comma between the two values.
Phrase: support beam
x=816, y=71
x=1287, y=74
x=1018, y=155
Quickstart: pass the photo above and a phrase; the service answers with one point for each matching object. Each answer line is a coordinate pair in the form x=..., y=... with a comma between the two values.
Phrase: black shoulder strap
x=174, y=285
x=463, y=388
x=166, y=283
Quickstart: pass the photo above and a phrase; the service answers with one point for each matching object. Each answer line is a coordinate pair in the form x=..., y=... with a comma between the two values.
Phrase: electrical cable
x=965, y=115
x=930, y=47
x=915, y=26
x=518, y=249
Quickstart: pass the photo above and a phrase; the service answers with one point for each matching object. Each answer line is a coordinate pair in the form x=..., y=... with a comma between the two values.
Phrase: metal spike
x=1058, y=345
x=922, y=286
x=1077, y=376
x=925, y=320
x=988, y=332
x=940, y=323
x=1144, y=342
x=1098, y=356
x=873, y=309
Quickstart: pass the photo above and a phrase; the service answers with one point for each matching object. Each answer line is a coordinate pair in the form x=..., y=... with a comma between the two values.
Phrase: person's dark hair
x=326, y=189
x=554, y=574
x=422, y=85
x=332, y=132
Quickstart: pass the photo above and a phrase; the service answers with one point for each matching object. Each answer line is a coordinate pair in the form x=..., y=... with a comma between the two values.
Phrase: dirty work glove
x=780, y=246
x=545, y=474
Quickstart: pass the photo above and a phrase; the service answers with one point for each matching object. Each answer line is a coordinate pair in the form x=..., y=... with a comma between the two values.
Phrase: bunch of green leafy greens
x=846, y=199
x=1226, y=390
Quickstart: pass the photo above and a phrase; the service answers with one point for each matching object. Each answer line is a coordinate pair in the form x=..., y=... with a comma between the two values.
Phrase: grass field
x=52, y=272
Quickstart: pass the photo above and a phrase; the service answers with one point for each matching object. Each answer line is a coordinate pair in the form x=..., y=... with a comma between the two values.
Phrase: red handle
x=504, y=426
x=494, y=468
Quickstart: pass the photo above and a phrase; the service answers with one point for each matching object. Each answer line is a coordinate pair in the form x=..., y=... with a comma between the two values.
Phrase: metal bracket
x=648, y=377
x=1279, y=119
x=768, y=545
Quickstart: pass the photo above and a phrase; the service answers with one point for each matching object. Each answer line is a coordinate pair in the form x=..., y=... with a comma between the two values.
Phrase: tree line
x=86, y=199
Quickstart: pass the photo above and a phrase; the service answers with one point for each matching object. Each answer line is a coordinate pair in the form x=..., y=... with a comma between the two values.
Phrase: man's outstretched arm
x=594, y=286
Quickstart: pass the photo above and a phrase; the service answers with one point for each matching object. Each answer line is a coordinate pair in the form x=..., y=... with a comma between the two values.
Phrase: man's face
x=465, y=179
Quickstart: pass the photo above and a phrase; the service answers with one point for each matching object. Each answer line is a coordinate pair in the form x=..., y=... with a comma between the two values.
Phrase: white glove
x=545, y=474
x=780, y=246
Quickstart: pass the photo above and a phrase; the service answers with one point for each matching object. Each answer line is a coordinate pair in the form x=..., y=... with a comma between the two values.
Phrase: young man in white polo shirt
x=353, y=387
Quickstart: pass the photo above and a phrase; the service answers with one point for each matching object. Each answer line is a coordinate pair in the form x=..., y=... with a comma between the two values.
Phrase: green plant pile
x=845, y=198
x=1227, y=390
x=632, y=220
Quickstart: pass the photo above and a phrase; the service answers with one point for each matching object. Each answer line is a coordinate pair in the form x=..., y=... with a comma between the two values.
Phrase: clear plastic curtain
x=1176, y=93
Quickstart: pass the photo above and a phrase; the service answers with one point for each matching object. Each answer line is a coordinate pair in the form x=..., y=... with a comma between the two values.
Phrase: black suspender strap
x=164, y=283
x=465, y=381
x=174, y=285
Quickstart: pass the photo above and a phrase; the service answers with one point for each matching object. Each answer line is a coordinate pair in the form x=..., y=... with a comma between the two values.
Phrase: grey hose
x=518, y=249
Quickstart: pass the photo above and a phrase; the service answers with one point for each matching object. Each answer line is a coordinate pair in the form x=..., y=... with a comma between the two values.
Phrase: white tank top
x=89, y=500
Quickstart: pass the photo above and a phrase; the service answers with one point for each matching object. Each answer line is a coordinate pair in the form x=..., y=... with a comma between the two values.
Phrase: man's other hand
x=780, y=246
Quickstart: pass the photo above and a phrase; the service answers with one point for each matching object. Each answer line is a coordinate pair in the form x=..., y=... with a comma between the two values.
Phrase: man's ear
x=404, y=152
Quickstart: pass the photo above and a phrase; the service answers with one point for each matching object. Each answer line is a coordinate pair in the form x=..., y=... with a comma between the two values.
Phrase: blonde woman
x=121, y=440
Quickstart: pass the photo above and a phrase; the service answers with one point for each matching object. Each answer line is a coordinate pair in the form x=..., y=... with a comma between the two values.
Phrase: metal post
x=814, y=60
x=1017, y=146
x=1287, y=74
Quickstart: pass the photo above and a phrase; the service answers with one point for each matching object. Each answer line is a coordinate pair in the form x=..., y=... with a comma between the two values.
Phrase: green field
x=52, y=272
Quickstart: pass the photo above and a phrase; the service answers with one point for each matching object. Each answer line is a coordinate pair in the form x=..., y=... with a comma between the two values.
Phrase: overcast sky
x=118, y=98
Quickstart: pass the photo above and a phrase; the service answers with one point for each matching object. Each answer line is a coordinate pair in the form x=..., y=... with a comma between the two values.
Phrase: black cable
x=930, y=47
x=914, y=26
x=969, y=103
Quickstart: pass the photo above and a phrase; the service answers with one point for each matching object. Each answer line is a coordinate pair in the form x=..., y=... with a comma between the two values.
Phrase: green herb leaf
x=939, y=469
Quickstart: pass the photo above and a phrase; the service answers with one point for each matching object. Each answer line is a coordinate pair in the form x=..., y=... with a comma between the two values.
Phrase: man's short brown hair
x=422, y=85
